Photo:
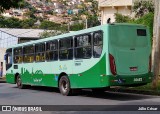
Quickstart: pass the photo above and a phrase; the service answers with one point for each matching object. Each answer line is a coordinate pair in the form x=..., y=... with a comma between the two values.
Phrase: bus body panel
x=130, y=51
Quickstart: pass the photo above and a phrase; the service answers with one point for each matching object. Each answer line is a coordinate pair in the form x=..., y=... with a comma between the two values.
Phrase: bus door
x=129, y=50
x=8, y=58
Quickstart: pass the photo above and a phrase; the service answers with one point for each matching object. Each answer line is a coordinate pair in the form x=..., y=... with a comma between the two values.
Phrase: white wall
x=7, y=40
x=108, y=12
x=2, y=53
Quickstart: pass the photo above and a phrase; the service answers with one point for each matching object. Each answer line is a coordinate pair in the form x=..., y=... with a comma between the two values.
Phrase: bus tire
x=19, y=82
x=64, y=86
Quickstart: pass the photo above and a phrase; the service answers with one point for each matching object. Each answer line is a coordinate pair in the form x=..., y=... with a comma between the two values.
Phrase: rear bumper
x=127, y=80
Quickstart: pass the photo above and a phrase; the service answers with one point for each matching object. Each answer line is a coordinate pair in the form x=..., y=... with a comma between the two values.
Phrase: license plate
x=137, y=79
x=133, y=68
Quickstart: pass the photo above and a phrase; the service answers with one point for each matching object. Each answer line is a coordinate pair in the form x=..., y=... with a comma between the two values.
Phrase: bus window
x=8, y=58
x=40, y=52
x=52, y=50
x=28, y=55
x=17, y=55
x=66, y=49
x=83, y=47
x=97, y=44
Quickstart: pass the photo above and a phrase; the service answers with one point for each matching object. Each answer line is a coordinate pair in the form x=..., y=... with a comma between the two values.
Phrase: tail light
x=112, y=65
x=150, y=63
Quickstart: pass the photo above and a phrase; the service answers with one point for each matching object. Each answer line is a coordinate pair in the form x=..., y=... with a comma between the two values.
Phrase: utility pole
x=156, y=44
x=86, y=23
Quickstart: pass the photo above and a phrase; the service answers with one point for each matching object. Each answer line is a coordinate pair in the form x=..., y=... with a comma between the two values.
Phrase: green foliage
x=16, y=23
x=121, y=18
x=143, y=7
x=7, y=4
x=93, y=21
x=49, y=25
x=10, y=22
x=146, y=20
x=52, y=26
x=47, y=34
x=28, y=23
x=2, y=22
x=77, y=26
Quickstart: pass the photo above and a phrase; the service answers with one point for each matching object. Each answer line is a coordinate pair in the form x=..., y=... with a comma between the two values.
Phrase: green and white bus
x=94, y=58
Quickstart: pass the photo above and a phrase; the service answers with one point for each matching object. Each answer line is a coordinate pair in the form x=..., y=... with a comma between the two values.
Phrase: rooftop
x=111, y=3
x=23, y=33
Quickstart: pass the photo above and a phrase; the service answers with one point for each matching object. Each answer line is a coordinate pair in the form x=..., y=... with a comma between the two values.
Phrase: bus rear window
x=141, y=32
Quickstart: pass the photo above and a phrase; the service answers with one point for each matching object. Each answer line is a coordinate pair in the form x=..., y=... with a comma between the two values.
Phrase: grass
x=146, y=89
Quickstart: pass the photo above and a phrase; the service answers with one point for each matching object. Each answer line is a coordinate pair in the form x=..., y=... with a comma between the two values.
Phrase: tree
x=28, y=23
x=49, y=25
x=77, y=26
x=121, y=18
x=93, y=21
x=143, y=7
x=7, y=4
x=47, y=34
x=147, y=20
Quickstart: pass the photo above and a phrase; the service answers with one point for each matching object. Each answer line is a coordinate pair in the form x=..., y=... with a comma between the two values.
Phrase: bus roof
x=75, y=33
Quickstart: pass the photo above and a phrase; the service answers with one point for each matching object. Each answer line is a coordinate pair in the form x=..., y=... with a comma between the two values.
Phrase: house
x=109, y=7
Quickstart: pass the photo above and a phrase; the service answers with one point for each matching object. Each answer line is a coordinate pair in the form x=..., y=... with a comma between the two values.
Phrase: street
x=11, y=95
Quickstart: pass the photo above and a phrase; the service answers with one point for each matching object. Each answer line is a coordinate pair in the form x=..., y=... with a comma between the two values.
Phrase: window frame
x=99, y=31
x=76, y=47
x=36, y=53
x=55, y=50
x=29, y=53
x=15, y=55
x=71, y=48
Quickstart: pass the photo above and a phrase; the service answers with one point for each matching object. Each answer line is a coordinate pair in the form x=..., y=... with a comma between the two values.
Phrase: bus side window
x=17, y=55
x=8, y=58
x=97, y=44
x=83, y=48
x=40, y=52
x=28, y=54
x=52, y=50
x=66, y=49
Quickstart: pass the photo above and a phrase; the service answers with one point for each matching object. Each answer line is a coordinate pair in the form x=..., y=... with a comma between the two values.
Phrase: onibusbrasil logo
x=21, y=108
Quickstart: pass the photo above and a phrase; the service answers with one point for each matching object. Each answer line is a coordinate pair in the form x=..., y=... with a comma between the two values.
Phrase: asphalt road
x=11, y=95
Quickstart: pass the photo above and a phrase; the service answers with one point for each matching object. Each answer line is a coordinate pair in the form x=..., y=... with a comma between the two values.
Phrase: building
x=110, y=7
x=2, y=63
x=10, y=37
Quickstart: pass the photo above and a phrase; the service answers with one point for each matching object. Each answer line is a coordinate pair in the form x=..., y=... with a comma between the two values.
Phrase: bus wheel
x=64, y=86
x=19, y=82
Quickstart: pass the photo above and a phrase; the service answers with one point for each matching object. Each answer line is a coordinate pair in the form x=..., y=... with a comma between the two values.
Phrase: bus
x=95, y=58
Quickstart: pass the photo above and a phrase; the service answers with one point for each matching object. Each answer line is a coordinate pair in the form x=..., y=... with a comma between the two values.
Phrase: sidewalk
x=2, y=79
